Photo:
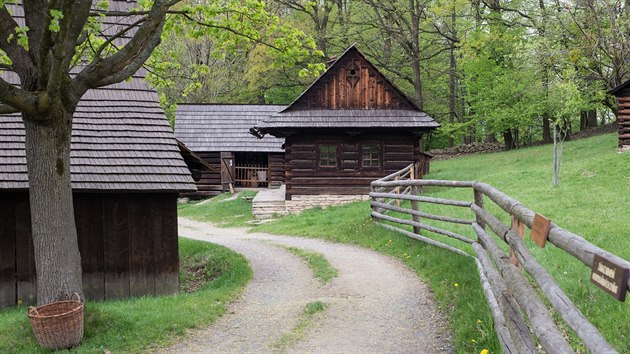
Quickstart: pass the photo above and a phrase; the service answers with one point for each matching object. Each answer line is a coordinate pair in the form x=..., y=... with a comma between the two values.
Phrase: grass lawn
x=215, y=274
x=219, y=211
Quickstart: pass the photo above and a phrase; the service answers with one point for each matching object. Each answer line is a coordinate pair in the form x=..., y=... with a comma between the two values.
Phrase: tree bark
x=509, y=139
x=546, y=129
x=452, y=79
x=415, y=59
x=57, y=258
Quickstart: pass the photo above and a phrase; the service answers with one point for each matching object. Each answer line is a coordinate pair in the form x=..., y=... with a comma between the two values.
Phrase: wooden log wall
x=623, y=118
x=128, y=245
x=304, y=176
x=210, y=182
x=276, y=169
x=353, y=84
x=509, y=291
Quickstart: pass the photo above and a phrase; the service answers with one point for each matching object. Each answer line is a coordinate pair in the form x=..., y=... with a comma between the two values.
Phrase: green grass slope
x=591, y=201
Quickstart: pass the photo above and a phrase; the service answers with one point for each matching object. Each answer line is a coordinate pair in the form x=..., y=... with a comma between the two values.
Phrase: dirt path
x=375, y=305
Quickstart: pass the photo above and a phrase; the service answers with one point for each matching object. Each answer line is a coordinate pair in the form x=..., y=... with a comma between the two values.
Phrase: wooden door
x=227, y=170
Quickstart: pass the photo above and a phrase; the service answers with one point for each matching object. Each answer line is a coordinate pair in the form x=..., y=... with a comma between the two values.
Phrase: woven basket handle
x=32, y=311
x=77, y=296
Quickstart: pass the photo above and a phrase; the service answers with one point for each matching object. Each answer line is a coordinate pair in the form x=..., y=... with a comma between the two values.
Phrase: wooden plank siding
x=276, y=169
x=304, y=176
x=128, y=245
x=623, y=117
x=353, y=83
x=210, y=182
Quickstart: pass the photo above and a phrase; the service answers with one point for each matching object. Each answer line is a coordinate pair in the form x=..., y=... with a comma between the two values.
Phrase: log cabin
x=126, y=172
x=622, y=93
x=350, y=127
x=218, y=134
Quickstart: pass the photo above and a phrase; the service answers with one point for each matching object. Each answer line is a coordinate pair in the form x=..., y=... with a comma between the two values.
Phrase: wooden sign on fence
x=540, y=230
x=611, y=277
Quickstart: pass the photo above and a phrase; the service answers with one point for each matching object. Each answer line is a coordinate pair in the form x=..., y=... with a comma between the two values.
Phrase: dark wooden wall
x=305, y=177
x=276, y=169
x=128, y=245
x=623, y=116
x=209, y=184
x=353, y=84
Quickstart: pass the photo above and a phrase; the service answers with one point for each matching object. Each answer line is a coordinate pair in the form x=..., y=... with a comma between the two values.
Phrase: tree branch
x=37, y=20
x=21, y=100
x=22, y=63
x=118, y=66
x=6, y=109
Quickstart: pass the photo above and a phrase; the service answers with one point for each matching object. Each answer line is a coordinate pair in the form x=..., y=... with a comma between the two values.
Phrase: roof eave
x=619, y=88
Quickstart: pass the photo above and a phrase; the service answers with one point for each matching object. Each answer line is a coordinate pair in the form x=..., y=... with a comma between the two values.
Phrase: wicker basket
x=58, y=325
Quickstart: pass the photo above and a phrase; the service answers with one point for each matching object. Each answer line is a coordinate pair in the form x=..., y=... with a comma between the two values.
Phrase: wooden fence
x=251, y=175
x=517, y=308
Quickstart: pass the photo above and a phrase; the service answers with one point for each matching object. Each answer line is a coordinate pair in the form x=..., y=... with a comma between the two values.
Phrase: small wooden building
x=622, y=92
x=218, y=134
x=350, y=127
x=127, y=172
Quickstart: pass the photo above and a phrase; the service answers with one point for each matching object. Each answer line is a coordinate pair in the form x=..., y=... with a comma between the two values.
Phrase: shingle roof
x=299, y=115
x=220, y=127
x=121, y=140
x=350, y=118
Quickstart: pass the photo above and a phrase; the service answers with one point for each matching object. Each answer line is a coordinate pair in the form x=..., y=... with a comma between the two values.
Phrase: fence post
x=397, y=191
x=479, y=203
x=415, y=207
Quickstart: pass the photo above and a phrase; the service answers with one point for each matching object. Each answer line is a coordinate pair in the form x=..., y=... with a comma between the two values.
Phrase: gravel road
x=375, y=305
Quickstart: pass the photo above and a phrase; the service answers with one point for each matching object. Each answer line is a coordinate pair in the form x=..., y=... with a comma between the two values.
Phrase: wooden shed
x=622, y=92
x=350, y=127
x=218, y=134
x=127, y=172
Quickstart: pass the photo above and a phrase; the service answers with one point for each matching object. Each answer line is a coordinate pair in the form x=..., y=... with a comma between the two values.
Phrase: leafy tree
x=57, y=38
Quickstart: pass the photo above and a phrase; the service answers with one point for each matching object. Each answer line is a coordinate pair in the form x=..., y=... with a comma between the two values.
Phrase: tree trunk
x=415, y=59
x=591, y=118
x=57, y=258
x=546, y=129
x=452, y=80
x=509, y=139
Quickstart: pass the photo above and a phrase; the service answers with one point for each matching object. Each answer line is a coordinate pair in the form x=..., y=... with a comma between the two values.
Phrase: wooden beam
x=425, y=240
x=433, y=229
x=589, y=334
x=541, y=320
x=512, y=331
x=418, y=214
x=442, y=201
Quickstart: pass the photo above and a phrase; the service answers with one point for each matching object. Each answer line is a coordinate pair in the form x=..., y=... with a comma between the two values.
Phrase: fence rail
x=251, y=175
x=515, y=304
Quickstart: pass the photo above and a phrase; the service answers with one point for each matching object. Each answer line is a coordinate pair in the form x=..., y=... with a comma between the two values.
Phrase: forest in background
x=486, y=70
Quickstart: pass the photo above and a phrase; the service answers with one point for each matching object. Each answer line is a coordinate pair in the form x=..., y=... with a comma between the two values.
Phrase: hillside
x=592, y=201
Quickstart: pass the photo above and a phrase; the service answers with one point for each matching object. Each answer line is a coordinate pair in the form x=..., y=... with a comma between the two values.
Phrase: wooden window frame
x=319, y=156
x=380, y=156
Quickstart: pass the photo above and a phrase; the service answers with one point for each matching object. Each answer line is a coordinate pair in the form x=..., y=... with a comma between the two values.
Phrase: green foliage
x=55, y=17
x=142, y=324
x=206, y=55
